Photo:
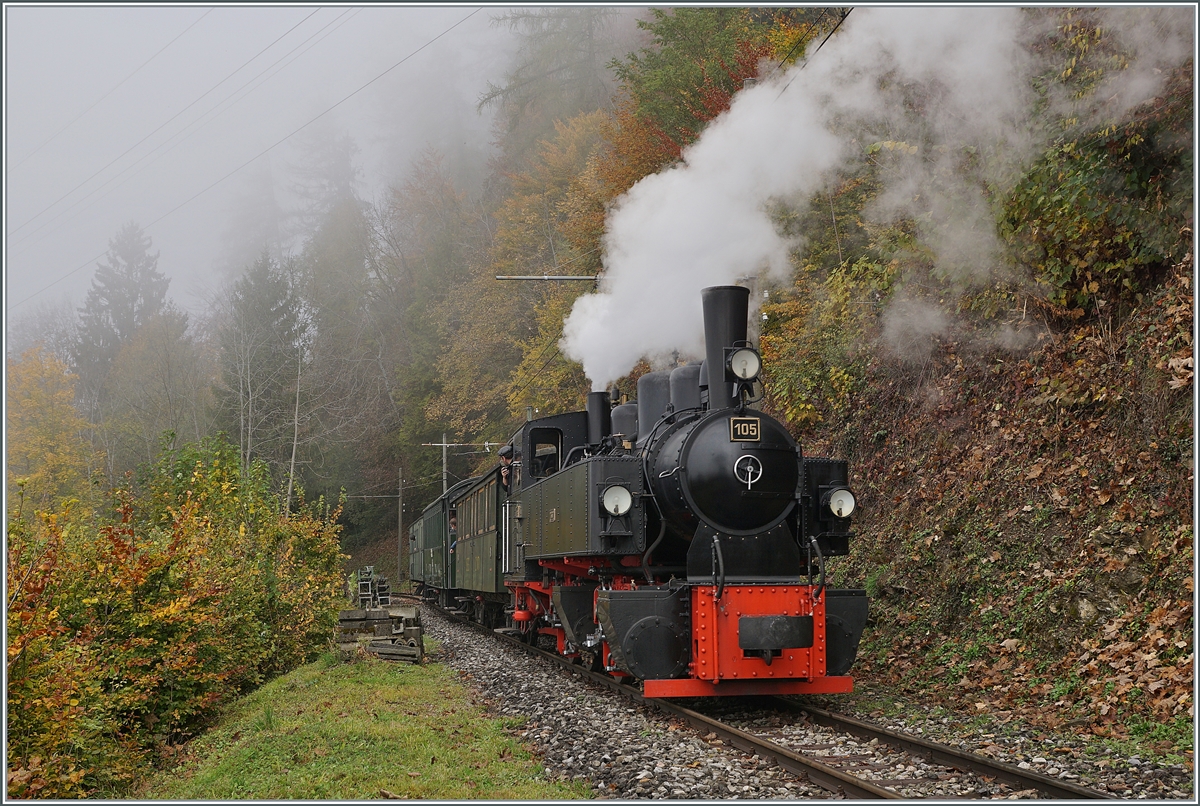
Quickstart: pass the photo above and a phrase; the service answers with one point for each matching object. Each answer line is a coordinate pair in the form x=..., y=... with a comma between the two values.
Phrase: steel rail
x=817, y=772
x=824, y=775
x=946, y=755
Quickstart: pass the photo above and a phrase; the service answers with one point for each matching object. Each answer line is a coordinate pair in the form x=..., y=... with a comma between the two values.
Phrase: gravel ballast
x=585, y=732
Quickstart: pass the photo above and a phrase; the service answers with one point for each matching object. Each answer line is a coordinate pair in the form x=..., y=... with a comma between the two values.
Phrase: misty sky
x=63, y=198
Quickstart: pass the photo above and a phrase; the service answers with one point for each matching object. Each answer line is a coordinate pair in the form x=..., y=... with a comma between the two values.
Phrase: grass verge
x=356, y=730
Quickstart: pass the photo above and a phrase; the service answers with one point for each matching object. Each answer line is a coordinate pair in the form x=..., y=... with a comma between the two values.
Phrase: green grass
x=346, y=731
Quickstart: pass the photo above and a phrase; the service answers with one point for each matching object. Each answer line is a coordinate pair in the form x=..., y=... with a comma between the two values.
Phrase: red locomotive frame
x=719, y=667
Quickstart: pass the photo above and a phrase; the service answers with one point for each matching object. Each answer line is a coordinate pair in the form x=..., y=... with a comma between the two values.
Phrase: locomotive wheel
x=592, y=659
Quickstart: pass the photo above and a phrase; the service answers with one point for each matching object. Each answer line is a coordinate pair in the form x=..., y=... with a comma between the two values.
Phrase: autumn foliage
x=126, y=632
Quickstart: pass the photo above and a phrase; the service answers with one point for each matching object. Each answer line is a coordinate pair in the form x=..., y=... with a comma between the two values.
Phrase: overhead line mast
x=444, y=445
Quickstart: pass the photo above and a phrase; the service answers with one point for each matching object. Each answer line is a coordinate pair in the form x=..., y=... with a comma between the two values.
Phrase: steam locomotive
x=681, y=540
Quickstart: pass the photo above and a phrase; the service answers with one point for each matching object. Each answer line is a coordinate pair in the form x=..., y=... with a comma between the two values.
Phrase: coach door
x=512, y=552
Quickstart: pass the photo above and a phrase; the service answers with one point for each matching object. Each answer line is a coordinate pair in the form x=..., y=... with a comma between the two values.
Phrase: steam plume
x=704, y=222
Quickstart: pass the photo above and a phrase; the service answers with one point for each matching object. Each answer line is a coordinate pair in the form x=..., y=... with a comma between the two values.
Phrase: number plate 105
x=744, y=429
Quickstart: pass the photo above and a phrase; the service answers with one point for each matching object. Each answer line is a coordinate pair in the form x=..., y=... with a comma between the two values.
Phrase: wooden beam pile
x=393, y=633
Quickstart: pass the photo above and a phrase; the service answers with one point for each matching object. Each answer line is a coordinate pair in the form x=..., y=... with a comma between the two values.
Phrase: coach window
x=489, y=499
x=547, y=451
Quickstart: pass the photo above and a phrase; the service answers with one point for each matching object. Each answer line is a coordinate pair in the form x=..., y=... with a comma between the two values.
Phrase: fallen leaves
x=1181, y=372
x=1051, y=542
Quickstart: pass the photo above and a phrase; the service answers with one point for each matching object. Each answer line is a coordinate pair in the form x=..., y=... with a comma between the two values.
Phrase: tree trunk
x=295, y=434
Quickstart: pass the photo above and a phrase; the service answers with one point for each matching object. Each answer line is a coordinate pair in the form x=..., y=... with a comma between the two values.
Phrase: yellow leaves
x=45, y=448
x=172, y=609
x=187, y=584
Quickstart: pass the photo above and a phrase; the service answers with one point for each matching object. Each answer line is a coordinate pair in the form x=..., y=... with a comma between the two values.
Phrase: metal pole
x=400, y=530
x=444, y=472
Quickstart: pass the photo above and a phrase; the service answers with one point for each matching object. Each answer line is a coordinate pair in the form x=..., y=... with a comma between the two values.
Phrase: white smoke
x=954, y=77
x=699, y=224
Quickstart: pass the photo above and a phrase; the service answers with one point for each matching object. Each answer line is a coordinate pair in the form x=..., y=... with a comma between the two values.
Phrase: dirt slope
x=1026, y=530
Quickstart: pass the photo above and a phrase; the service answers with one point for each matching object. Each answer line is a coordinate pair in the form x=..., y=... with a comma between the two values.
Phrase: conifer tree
x=126, y=292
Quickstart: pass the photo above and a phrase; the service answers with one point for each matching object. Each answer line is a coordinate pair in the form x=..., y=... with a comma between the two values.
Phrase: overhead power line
x=802, y=38
x=585, y=277
x=69, y=123
x=266, y=150
x=199, y=123
x=815, y=52
x=160, y=128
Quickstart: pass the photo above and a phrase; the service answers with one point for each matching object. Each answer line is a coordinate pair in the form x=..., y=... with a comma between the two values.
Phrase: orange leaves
x=635, y=149
x=151, y=621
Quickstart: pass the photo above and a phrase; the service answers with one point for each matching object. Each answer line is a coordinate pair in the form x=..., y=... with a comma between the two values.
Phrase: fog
x=178, y=118
x=190, y=121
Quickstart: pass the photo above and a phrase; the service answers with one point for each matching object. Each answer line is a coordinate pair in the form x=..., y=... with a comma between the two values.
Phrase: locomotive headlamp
x=616, y=500
x=840, y=502
x=744, y=363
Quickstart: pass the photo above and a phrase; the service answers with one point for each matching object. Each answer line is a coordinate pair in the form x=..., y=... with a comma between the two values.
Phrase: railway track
x=846, y=756
x=889, y=758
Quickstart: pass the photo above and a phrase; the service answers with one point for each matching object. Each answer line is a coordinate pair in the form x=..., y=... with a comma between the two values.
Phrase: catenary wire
x=815, y=52
x=157, y=152
x=282, y=140
x=73, y=120
x=802, y=38
x=160, y=127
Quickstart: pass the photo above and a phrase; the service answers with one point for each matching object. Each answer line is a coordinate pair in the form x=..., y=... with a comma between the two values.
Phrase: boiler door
x=740, y=486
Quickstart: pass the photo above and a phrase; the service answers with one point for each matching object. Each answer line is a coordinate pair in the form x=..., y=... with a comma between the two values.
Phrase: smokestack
x=599, y=416
x=725, y=310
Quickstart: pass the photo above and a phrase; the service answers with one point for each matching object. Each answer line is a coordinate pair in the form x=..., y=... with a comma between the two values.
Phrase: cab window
x=547, y=452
